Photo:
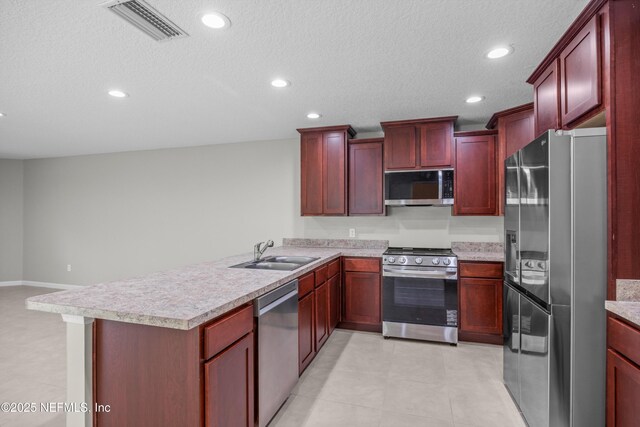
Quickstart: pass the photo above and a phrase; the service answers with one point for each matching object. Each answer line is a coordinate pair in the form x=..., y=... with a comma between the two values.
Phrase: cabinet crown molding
x=418, y=121
x=338, y=128
x=587, y=13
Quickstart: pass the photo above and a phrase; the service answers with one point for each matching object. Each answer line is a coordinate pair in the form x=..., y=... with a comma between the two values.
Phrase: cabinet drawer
x=305, y=284
x=489, y=270
x=227, y=330
x=367, y=265
x=321, y=275
x=333, y=268
x=624, y=339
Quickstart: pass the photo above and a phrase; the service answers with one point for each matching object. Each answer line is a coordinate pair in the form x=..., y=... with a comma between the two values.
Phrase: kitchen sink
x=302, y=260
x=281, y=263
x=273, y=265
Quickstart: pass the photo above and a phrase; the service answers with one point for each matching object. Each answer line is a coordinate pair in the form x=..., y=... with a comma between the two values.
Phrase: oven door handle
x=421, y=275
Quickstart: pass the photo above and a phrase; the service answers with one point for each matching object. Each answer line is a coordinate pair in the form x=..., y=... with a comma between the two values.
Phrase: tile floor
x=32, y=358
x=361, y=379
x=357, y=379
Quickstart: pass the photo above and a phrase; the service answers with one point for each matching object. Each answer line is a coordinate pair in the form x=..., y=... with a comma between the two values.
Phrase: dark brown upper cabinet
x=475, y=186
x=366, y=195
x=546, y=100
x=580, y=82
x=418, y=144
x=515, y=130
x=323, y=170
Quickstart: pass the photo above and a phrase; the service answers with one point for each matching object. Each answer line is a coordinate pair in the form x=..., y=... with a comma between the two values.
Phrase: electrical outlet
x=68, y=267
x=352, y=232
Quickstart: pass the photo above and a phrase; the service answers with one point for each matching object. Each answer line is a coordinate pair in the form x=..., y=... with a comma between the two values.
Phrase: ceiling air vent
x=144, y=17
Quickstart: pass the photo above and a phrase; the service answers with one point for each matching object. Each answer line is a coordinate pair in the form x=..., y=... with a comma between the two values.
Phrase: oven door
x=423, y=296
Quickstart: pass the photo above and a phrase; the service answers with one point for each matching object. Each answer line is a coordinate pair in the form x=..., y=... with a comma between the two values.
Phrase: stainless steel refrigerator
x=555, y=278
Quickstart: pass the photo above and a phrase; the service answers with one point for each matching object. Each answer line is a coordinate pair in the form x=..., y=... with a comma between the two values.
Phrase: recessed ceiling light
x=118, y=93
x=313, y=116
x=280, y=83
x=499, y=52
x=474, y=99
x=215, y=20
x=2, y=114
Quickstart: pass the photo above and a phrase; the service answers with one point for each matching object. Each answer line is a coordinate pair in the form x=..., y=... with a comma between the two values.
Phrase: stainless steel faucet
x=258, y=249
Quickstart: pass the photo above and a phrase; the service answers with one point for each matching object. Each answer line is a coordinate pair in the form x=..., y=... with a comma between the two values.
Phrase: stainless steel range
x=420, y=294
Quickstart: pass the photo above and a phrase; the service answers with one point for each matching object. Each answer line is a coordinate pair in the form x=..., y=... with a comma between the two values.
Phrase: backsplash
x=408, y=226
x=336, y=243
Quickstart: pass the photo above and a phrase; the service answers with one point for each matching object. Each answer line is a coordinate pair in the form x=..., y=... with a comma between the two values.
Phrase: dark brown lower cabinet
x=334, y=301
x=362, y=309
x=322, y=314
x=623, y=373
x=481, y=306
x=623, y=391
x=229, y=387
x=306, y=331
x=480, y=302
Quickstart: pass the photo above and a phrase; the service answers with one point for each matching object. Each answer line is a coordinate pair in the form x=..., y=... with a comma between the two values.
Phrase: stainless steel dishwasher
x=277, y=314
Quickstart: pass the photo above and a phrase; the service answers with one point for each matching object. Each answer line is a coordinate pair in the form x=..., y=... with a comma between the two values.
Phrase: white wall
x=11, y=215
x=116, y=215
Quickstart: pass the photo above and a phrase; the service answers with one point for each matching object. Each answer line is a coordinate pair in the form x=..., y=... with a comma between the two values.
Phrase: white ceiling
x=357, y=62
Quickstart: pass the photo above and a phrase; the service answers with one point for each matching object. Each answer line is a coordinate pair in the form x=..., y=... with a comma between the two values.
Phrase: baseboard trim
x=39, y=284
x=11, y=283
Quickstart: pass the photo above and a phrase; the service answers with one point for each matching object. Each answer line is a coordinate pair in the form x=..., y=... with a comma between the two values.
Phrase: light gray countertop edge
x=266, y=281
x=629, y=310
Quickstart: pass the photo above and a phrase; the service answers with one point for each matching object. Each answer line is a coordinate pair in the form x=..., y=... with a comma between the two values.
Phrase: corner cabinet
x=475, y=182
x=366, y=179
x=419, y=143
x=623, y=373
x=480, y=302
x=323, y=170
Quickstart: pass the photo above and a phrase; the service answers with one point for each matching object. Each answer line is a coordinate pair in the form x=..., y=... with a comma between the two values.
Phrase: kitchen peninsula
x=145, y=354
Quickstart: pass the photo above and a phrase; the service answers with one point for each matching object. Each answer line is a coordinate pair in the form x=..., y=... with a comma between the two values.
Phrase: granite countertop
x=627, y=305
x=478, y=251
x=186, y=297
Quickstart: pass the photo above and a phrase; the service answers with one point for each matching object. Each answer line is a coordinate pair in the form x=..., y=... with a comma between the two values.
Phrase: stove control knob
x=418, y=260
x=446, y=261
x=541, y=265
x=529, y=264
x=436, y=261
x=402, y=260
x=391, y=259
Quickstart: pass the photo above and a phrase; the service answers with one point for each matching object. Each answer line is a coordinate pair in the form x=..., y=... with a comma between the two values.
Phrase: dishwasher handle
x=269, y=299
x=276, y=303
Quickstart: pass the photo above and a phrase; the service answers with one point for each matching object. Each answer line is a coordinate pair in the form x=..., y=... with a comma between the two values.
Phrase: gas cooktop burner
x=420, y=251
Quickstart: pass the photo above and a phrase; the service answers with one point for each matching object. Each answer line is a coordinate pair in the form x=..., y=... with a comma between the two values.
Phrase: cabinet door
x=334, y=173
x=435, y=144
x=362, y=298
x=546, y=99
x=400, y=149
x=322, y=314
x=334, y=302
x=475, y=176
x=366, y=179
x=514, y=132
x=580, y=73
x=306, y=331
x=312, y=181
x=228, y=386
x=481, y=305
x=623, y=391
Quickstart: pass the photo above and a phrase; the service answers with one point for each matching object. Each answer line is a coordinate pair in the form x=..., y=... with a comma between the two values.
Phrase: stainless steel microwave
x=419, y=188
